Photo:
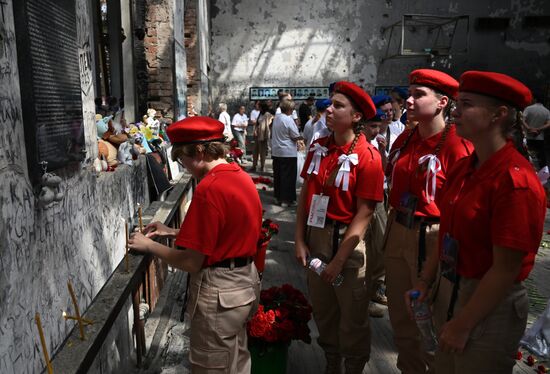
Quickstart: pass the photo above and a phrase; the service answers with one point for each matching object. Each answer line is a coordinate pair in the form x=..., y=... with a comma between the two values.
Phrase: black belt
x=425, y=219
x=337, y=226
x=329, y=221
x=237, y=262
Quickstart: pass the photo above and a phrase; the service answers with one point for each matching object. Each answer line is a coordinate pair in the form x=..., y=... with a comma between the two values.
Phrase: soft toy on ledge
x=119, y=143
x=125, y=153
x=51, y=190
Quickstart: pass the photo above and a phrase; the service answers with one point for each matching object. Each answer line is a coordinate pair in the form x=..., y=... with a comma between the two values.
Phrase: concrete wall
x=80, y=238
x=312, y=42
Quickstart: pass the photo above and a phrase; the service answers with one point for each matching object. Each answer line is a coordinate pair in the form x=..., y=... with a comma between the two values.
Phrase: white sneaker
x=284, y=205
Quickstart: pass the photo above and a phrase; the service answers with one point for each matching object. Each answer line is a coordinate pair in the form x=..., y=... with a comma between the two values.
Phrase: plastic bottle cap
x=414, y=294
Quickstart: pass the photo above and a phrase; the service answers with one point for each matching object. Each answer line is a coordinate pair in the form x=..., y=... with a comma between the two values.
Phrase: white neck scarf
x=343, y=174
x=433, y=167
x=318, y=152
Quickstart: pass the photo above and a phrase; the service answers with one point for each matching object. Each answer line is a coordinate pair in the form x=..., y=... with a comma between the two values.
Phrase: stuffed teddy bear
x=125, y=153
x=50, y=191
x=107, y=152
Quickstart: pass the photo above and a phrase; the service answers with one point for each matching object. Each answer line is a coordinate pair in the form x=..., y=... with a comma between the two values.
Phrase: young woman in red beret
x=492, y=218
x=419, y=161
x=343, y=180
x=216, y=243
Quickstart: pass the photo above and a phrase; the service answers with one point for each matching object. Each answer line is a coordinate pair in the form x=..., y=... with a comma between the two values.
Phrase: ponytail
x=451, y=104
x=517, y=133
x=512, y=128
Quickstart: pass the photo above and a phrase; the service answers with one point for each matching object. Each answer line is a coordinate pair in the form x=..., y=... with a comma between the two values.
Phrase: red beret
x=435, y=79
x=196, y=130
x=358, y=96
x=496, y=85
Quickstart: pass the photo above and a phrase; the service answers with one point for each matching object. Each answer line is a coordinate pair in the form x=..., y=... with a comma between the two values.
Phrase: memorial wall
x=79, y=238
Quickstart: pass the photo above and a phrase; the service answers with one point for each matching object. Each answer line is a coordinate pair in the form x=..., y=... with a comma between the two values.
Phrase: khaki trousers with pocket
x=401, y=260
x=221, y=301
x=493, y=343
x=340, y=312
x=374, y=241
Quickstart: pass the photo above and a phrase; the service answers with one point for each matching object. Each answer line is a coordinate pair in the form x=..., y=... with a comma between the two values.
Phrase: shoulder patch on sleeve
x=371, y=156
x=519, y=176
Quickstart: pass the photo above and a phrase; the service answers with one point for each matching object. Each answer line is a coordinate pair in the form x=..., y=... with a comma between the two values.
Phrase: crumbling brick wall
x=192, y=53
x=158, y=44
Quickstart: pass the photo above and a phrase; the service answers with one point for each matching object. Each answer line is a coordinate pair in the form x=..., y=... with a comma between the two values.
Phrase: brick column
x=192, y=53
x=159, y=56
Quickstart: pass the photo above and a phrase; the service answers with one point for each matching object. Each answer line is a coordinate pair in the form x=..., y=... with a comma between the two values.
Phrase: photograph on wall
x=386, y=90
x=298, y=93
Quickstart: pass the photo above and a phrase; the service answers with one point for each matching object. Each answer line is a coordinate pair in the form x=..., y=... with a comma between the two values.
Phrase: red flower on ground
x=541, y=369
x=531, y=360
x=262, y=180
x=519, y=355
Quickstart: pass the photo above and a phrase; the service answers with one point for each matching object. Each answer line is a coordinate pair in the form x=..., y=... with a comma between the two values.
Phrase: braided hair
x=358, y=131
x=451, y=104
x=515, y=131
x=513, y=128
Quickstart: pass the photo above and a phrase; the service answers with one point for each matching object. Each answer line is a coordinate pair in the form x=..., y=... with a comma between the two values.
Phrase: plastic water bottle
x=423, y=318
x=318, y=266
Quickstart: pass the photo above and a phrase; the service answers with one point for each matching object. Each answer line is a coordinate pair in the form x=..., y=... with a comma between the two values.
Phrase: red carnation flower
x=519, y=355
x=282, y=316
x=531, y=360
x=271, y=335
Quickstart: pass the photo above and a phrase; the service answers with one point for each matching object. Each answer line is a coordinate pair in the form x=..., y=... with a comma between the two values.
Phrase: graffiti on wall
x=10, y=113
x=86, y=66
x=80, y=238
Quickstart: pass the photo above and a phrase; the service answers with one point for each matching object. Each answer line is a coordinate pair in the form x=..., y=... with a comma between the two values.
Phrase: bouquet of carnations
x=282, y=316
x=269, y=228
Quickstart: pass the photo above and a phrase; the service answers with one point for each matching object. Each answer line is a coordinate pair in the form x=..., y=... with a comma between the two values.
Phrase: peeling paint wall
x=80, y=238
x=287, y=43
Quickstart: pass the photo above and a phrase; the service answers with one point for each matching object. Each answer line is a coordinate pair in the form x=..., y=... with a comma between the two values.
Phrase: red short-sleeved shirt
x=409, y=177
x=366, y=179
x=500, y=204
x=225, y=216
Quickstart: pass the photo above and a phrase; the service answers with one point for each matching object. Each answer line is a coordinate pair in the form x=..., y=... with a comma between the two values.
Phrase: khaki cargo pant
x=401, y=260
x=340, y=312
x=493, y=343
x=221, y=301
x=374, y=242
